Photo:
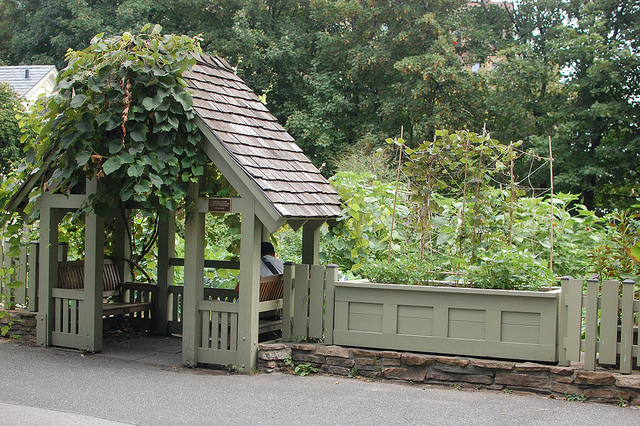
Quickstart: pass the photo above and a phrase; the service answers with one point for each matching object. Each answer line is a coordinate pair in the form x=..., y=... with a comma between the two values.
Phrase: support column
x=91, y=316
x=166, y=250
x=121, y=245
x=194, y=243
x=47, y=272
x=311, y=242
x=251, y=236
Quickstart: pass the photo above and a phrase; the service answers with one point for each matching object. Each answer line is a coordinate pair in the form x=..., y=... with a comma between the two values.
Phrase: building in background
x=29, y=81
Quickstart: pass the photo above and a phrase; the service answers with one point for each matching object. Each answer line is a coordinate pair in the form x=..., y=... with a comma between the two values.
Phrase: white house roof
x=26, y=80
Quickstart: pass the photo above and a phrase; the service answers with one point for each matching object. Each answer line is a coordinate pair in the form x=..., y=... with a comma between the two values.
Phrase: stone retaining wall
x=595, y=386
x=23, y=327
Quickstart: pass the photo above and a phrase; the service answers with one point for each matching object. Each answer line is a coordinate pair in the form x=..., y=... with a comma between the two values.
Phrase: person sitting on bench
x=270, y=265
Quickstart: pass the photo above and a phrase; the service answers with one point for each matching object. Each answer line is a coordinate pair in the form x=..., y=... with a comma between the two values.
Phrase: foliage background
x=345, y=73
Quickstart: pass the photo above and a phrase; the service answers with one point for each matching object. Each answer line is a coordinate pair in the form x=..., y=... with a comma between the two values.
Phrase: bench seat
x=118, y=298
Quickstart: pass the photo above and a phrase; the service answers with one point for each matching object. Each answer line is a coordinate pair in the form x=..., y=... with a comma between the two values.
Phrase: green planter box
x=517, y=325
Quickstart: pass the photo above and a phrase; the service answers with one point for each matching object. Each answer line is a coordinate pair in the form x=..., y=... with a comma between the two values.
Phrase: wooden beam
x=59, y=201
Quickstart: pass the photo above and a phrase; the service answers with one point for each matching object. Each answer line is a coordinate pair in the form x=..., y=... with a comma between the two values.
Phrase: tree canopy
x=341, y=73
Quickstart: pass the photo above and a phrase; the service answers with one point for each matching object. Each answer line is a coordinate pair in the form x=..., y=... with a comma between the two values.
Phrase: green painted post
x=561, y=346
x=330, y=280
x=194, y=244
x=311, y=242
x=166, y=250
x=91, y=315
x=249, y=278
x=121, y=246
x=48, y=272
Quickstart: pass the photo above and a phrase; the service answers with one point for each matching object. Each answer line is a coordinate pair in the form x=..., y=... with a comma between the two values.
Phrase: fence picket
x=331, y=278
x=591, y=324
x=316, y=301
x=287, y=300
x=609, y=322
x=300, y=302
x=626, y=341
x=574, y=318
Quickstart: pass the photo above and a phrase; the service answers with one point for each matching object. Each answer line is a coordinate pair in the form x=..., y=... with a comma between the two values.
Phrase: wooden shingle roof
x=260, y=147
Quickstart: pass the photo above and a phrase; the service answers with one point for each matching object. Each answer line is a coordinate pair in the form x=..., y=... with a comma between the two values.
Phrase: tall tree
x=9, y=130
x=598, y=140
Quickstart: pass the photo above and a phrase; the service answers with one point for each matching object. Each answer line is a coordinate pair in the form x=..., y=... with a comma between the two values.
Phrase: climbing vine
x=121, y=113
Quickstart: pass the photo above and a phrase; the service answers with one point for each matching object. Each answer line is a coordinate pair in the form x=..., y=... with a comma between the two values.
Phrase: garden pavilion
x=276, y=184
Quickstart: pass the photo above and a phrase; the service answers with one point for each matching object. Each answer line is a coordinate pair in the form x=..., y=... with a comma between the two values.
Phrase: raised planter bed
x=518, y=325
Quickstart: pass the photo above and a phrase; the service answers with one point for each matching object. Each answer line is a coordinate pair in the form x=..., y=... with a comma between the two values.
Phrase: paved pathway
x=139, y=382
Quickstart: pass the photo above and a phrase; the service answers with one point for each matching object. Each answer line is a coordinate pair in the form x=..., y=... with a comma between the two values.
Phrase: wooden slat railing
x=601, y=324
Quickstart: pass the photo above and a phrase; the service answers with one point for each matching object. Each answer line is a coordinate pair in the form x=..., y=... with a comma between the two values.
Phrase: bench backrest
x=270, y=287
x=71, y=276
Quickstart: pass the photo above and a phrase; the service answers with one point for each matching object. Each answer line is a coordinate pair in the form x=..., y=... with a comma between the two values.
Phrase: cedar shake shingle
x=263, y=149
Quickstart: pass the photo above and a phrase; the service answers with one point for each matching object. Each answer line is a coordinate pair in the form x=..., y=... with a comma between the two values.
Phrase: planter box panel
x=520, y=327
x=365, y=316
x=466, y=322
x=415, y=320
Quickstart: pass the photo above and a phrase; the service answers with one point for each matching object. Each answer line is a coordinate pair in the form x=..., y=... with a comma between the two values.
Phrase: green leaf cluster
x=121, y=113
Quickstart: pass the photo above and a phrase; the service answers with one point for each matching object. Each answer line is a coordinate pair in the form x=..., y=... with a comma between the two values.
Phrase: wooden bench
x=140, y=296
x=271, y=291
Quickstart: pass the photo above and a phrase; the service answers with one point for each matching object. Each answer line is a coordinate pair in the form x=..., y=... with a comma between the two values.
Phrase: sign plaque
x=220, y=205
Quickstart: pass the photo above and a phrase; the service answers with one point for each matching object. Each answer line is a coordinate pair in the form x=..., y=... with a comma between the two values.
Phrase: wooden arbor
x=276, y=184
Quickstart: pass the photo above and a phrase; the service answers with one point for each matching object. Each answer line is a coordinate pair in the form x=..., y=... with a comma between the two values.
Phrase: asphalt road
x=55, y=387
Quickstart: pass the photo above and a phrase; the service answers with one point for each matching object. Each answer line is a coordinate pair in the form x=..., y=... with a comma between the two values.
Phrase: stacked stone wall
x=23, y=325
x=562, y=382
